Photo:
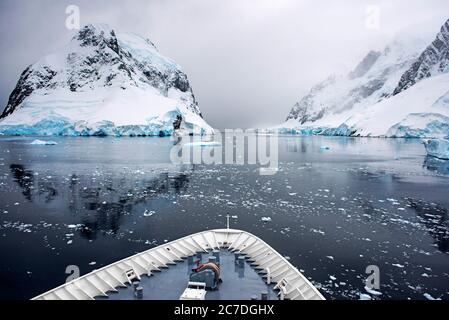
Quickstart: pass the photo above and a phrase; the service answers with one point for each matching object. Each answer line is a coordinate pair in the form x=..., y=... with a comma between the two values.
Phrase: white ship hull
x=289, y=282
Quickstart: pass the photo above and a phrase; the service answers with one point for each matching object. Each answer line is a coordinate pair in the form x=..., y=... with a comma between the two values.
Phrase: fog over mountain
x=248, y=62
x=399, y=92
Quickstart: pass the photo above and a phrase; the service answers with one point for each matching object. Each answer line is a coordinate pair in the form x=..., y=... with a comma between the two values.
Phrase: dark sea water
x=91, y=201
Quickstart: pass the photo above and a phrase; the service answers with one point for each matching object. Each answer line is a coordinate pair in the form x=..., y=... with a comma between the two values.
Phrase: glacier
x=102, y=84
x=438, y=148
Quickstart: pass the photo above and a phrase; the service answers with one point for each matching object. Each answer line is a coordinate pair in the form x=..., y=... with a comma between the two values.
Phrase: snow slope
x=373, y=80
x=102, y=84
x=388, y=94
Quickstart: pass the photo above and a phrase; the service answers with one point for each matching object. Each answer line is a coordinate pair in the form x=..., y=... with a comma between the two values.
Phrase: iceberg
x=438, y=148
x=439, y=166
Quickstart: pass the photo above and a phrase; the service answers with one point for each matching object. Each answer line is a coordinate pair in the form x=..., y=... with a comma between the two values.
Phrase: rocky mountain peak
x=432, y=61
x=97, y=35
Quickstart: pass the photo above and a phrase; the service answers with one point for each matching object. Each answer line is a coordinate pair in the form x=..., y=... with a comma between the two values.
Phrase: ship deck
x=164, y=271
x=169, y=284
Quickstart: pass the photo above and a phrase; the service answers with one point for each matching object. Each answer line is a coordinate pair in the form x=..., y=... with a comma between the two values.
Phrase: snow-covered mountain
x=400, y=92
x=102, y=83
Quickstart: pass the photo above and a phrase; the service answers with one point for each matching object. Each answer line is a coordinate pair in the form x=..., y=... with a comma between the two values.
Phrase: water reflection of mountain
x=31, y=185
x=436, y=221
x=107, y=215
x=296, y=144
x=100, y=201
x=24, y=178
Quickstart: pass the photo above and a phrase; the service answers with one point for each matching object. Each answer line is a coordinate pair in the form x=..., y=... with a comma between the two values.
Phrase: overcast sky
x=248, y=61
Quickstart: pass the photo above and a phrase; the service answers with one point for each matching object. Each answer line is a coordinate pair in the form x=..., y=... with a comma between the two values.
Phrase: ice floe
x=43, y=142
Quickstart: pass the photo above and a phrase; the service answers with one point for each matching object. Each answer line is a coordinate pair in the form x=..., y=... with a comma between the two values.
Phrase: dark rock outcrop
x=434, y=60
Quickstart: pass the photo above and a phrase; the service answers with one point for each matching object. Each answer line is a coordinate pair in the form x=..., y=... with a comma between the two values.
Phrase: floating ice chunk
x=73, y=226
x=148, y=213
x=44, y=142
x=318, y=231
x=429, y=297
x=364, y=296
x=372, y=291
x=398, y=265
x=438, y=148
x=332, y=278
x=330, y=257
x=266, y=219
x=92, y=263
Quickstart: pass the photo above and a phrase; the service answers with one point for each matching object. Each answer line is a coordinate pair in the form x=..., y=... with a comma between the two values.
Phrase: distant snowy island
x=102, y=83
x=400, y=92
